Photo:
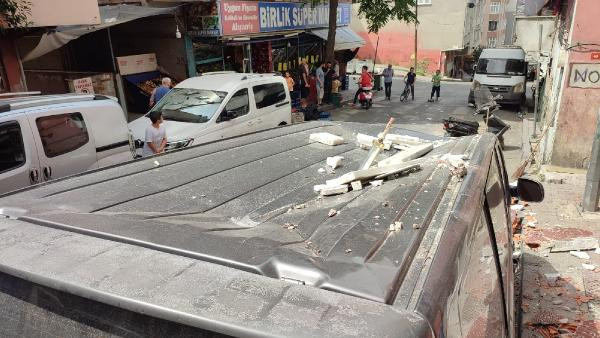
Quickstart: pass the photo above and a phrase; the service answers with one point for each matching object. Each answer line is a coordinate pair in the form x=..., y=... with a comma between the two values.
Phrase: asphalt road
x=420, y=115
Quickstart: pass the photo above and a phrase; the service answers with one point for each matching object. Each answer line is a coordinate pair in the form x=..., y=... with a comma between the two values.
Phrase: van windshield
x=189, y=105
x=501, y=67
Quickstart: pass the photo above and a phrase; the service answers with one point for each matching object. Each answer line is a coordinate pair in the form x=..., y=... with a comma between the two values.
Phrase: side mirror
x=226, y=115
x=528, y=190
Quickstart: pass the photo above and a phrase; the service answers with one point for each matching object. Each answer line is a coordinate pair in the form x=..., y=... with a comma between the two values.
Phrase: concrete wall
x=528, y=36
x=577, y=117
x=441, y=27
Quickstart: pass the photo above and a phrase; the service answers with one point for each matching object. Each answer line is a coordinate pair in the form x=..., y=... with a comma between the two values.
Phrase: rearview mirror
x=528, y=190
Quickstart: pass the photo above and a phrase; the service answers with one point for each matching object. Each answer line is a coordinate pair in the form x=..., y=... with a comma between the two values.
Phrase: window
x=492, y=42
x=190, y=105
x=62, y=133
x=493, y=25
x=12, y=151
x=423, y=2
x=269, y=94
x=501, y=66
x=495, y=8
x=239, y=104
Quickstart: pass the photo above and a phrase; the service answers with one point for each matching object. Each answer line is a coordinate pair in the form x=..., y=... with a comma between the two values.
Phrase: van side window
x=62, y=133
x=268, y=94
x=239, y=104
x=12, y=151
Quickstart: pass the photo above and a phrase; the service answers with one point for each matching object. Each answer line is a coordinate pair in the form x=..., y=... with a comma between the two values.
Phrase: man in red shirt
x=366, y=80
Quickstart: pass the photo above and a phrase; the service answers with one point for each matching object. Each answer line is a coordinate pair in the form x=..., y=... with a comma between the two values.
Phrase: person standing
x=388, y=77
x=155, y=140
x=320, y=77
x=411, y=77
x=304, y=79
x=160, y=91
x=329, y=76
x=437, y=84
x=366, y=81
x=290, y=81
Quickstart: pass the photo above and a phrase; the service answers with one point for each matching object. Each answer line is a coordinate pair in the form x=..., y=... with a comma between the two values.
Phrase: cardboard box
x=297, y=117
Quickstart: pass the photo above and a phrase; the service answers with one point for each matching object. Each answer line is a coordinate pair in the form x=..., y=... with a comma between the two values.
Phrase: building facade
x=489, y=24
x=397, y=39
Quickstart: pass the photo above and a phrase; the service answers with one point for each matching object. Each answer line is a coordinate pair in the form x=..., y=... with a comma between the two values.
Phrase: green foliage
x=379, y=12
x=477, y=53
x=13, y=13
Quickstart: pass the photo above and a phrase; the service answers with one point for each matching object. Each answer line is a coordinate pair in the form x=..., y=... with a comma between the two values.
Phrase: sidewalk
x=560, y=288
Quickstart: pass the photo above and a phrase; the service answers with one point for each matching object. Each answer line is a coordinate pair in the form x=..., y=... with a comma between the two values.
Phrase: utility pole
x=416, y=31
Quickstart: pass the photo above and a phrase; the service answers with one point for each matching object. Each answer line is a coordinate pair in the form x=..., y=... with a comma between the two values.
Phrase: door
x=19, y=164
x=239, y=120
x=63, y=142
x=272, y=105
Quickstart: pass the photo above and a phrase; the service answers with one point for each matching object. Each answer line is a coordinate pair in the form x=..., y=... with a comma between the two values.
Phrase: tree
x=377, y=12
x=14, y=13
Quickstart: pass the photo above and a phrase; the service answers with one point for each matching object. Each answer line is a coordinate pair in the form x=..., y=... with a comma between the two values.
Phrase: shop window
x=239, y=104
x=493, y=25
x=12, y=151
x=269, y=94
x=62, y=133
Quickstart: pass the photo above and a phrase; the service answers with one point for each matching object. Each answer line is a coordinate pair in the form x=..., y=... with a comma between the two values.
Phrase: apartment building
x=489, y=23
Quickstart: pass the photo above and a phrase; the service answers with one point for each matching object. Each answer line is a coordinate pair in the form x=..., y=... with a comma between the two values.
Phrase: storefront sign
x=203, y=19
x=239, y=17
x=248, y=17
x=135, y=64
x=585, y=75
x=84, y=85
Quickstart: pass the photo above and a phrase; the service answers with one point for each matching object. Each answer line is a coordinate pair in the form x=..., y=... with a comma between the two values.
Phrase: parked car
x=219, y=105
x=504, y=72
x=229, y=238
x=52, y=136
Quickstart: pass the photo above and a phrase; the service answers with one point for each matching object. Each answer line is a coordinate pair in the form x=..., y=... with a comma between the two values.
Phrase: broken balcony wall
x=530, y=7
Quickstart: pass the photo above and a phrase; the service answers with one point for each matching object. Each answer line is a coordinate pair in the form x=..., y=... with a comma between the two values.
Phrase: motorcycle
x=366, y=97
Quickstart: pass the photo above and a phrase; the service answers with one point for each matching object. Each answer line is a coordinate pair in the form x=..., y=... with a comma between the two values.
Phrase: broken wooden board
x=326, y=138
x=406, y=155
x=363, y=175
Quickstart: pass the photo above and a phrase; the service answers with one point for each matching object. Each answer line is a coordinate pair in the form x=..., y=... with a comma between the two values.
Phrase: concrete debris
x=406, y=155
x=367, y=142
x=577, y=244
x=156, y=164
x=321, y=170
x=329, y=170
x=396, y=226
x=376, y=217
x=348, y=250
x=563, y=320
x=356, y=185
x=416, y=226
x=397, y=172
x=588, y=267
x=579, y=254
x=332, y=212
x=404, y=139
x=300, y=206
x=517, y=207
x=531, y=224
x=319, y=187
x=517, y=254
x=401, y=147
x=330, y=190
x=552, y=278
x=335, y=161
x=460, y=171
x=597, y=251
x=326, y=138
x=290, y=226
x=377, y=183
x=363, y=175
x=557, y=301
x=455, y=160
x=385, y=204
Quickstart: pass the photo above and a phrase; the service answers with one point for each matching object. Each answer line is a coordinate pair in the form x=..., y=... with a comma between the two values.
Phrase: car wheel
x=283, y=123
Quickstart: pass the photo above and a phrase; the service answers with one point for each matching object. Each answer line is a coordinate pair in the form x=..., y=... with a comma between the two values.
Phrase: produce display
x=148, y=86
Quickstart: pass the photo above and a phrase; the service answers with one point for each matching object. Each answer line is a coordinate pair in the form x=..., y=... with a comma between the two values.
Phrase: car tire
x=283, y=124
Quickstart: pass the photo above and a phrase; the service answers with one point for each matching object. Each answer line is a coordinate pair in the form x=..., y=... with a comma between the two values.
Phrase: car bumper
x=507, y=98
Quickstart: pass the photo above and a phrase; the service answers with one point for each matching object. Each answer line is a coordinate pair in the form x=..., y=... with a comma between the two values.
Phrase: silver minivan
x=52, y=136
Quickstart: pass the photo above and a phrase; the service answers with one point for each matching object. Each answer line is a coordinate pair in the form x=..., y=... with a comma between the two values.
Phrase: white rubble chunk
x=321, y=170
x=334, y=190
x=356, y=185
x=376, y=183
x=597, y=251
x=319, y=187
x=517, y=207
x=404, y=139
x=579, y=254
x=335, y=161
x=406, y=155
x=326, y=138
x=577, y=244
x=588, y=267
x=363, y=175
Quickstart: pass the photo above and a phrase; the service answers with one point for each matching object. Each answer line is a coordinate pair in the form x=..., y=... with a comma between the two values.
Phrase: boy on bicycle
x=410, y=81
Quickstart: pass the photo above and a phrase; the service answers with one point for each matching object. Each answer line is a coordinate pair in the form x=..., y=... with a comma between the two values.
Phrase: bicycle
x=406, y=93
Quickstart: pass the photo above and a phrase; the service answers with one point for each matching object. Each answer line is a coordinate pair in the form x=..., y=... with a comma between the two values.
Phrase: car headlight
x=519, y=87
x=179, y=144
x=476, y=85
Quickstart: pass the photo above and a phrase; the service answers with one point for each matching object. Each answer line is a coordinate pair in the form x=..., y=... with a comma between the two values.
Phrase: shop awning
x=345, y=38
x=109, y=15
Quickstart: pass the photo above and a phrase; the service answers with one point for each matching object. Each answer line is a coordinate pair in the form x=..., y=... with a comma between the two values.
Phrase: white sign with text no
x=585, y=75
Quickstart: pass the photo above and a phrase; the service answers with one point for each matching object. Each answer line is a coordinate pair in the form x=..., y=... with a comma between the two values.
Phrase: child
x=156, y=137
x=410, y=79
x=290, y=81
x=437, y=83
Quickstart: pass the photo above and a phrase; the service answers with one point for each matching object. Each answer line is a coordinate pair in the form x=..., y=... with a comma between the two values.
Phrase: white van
x=504, y=72
x=219, y=105
x=52, y=136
